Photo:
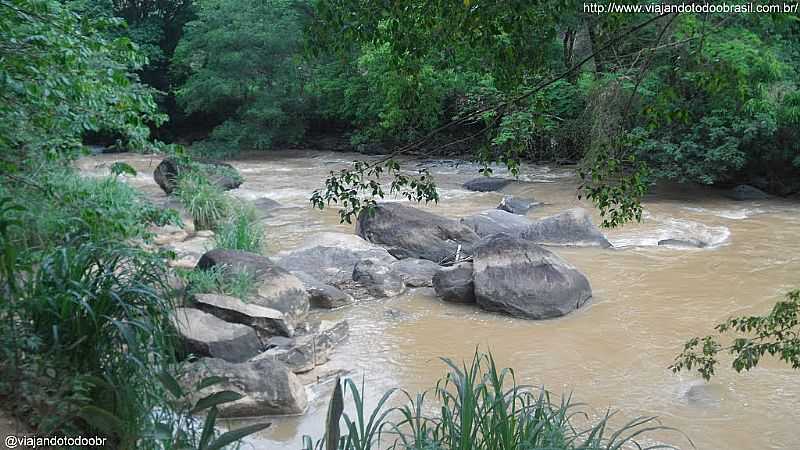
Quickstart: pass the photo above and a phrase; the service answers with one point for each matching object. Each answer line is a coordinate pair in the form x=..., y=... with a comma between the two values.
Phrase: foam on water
x=672, y=228
x=733, y=214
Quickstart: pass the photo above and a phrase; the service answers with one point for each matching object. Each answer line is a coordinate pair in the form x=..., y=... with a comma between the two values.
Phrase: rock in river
x=685, y=243
x=496, y=221
x=415, y=272
x=514, y=205
x=266, y=321
x=414, y=233
x=520, y=278
x=330, y=257
x=206, y=335
x=303, y=353
x=323, y=295
x=276, y=288
x=378, y=279
x=268, y=387
x=455, y=283
x=486, y=184
x=222, y=174
x=570, y=228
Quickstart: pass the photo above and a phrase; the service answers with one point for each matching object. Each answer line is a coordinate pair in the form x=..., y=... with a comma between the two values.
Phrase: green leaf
x=236, y=435
x=215, y=399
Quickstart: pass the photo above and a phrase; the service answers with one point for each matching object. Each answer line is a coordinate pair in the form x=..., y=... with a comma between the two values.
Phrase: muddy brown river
x=614, y=353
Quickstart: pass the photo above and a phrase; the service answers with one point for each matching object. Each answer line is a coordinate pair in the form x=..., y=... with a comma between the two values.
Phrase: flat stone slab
x=204, y=334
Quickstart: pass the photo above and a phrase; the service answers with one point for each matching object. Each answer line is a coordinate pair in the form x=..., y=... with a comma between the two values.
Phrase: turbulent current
x=614, y=353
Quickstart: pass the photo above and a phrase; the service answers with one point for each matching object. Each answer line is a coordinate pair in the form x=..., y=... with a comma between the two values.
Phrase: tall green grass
x=479, y=407
x=204, y=201
x=219, y=280
x=240, y=231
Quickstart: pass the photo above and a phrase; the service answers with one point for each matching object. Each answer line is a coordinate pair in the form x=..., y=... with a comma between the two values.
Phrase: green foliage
x=481, y=408
x=61, y=77
x=204, y=201
x=220, y=280
x=90, y=209
x=240, y=231
x=241, y=63
x=776, y=334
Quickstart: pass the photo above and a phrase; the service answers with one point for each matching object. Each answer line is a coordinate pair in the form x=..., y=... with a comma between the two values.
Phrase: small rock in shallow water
x=486, y=184
x=516, y=205
x=687, y=243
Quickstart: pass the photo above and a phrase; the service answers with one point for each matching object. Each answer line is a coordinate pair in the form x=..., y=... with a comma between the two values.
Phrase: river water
x=648, y=301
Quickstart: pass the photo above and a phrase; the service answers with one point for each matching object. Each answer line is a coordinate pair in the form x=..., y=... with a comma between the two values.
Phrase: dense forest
x=626, y=99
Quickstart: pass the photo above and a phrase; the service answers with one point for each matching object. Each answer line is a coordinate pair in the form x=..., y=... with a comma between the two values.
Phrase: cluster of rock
x=260, y=344
x=507, y=268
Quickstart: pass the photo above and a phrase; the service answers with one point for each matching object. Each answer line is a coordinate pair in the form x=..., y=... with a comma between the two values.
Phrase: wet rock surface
x=573, y=227
x=520, y=278
x=268, y=387
x=408, y=232
x=204, y=334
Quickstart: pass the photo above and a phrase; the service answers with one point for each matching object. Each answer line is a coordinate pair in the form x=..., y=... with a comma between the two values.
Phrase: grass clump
x=240, y=231
x=204, y=201
x=220, y=280
x=480, y=407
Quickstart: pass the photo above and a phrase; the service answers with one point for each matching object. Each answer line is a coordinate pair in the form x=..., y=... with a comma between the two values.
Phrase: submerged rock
x=415, y=272
x=688, y=243
x=303, y=353
x=276, y=288
x=330, y=257
x=520, y=278
x=515, y=205
x=486, y=184
x=268, y=387
x=570, y=228
x=744, y=192
x=414, y=233
x=455, y=283
x=266, y=321
x=379, y=280
x=206, y=335
x=222, y=174
x=264, y=206
x=496, y=221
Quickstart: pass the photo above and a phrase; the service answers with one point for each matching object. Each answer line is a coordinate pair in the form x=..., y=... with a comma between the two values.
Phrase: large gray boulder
x=520, y=278
x=276, y=288
x=222, y=174
x=745, y=192
x=414, y=233
x=415, y=272
x=570, y=228
x=330, y=257
x=496, y=221
x=514, y=205
x=487, y=184
x=303, y=353
x=268, y=387
x=323, y=295
x=379, y=280
x=206, y=335
x=266, y=321
x=455, y=283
